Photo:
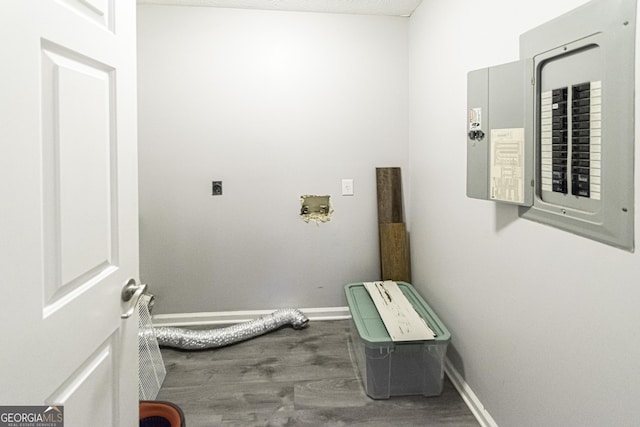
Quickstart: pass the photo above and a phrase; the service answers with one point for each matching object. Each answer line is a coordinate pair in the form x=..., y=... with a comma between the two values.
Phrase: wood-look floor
x=294, y=378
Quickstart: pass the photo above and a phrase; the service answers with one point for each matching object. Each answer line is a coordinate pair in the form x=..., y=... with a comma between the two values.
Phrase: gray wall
x=276, y=105
x=545, y=324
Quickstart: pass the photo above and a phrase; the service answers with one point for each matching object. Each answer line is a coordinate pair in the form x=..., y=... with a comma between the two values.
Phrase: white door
x=68, y=197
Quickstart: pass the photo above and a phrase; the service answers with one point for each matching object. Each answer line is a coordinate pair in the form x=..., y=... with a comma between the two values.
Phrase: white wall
x=276, y=105
x=545, y=324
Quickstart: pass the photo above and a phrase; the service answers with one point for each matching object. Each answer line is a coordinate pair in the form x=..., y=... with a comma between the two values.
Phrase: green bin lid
x=369, y=323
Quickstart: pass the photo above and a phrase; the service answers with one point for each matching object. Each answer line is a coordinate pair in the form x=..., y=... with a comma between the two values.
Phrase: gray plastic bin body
x=392, y=368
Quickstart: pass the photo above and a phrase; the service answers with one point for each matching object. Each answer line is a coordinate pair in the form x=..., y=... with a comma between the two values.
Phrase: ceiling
x=360, y=7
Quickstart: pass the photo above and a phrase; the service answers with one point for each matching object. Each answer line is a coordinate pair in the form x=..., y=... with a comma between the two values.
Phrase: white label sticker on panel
x=507, y=165
x=475, y=118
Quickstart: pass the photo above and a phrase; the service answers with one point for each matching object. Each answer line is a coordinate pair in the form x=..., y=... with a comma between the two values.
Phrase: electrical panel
x=578, y=142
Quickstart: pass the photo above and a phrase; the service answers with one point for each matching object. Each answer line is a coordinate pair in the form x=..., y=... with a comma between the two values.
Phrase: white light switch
x=347, y=187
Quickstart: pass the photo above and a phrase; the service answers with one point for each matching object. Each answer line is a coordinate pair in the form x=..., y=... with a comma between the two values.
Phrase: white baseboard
x=469, y=397
x=232, y=317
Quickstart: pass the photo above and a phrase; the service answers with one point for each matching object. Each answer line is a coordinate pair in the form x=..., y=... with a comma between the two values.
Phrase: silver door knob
x=131, y=293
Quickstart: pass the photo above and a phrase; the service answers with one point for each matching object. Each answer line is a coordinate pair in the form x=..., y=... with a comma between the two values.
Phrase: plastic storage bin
x=392, y=368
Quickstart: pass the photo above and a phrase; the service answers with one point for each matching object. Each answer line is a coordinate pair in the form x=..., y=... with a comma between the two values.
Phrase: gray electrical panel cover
x=500, y=133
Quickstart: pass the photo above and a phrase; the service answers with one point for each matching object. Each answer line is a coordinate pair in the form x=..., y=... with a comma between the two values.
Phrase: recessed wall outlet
x=216, y=188
x=315, y=208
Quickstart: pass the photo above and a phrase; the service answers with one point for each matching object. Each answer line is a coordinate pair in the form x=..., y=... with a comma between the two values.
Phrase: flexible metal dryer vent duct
x=195, y=339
